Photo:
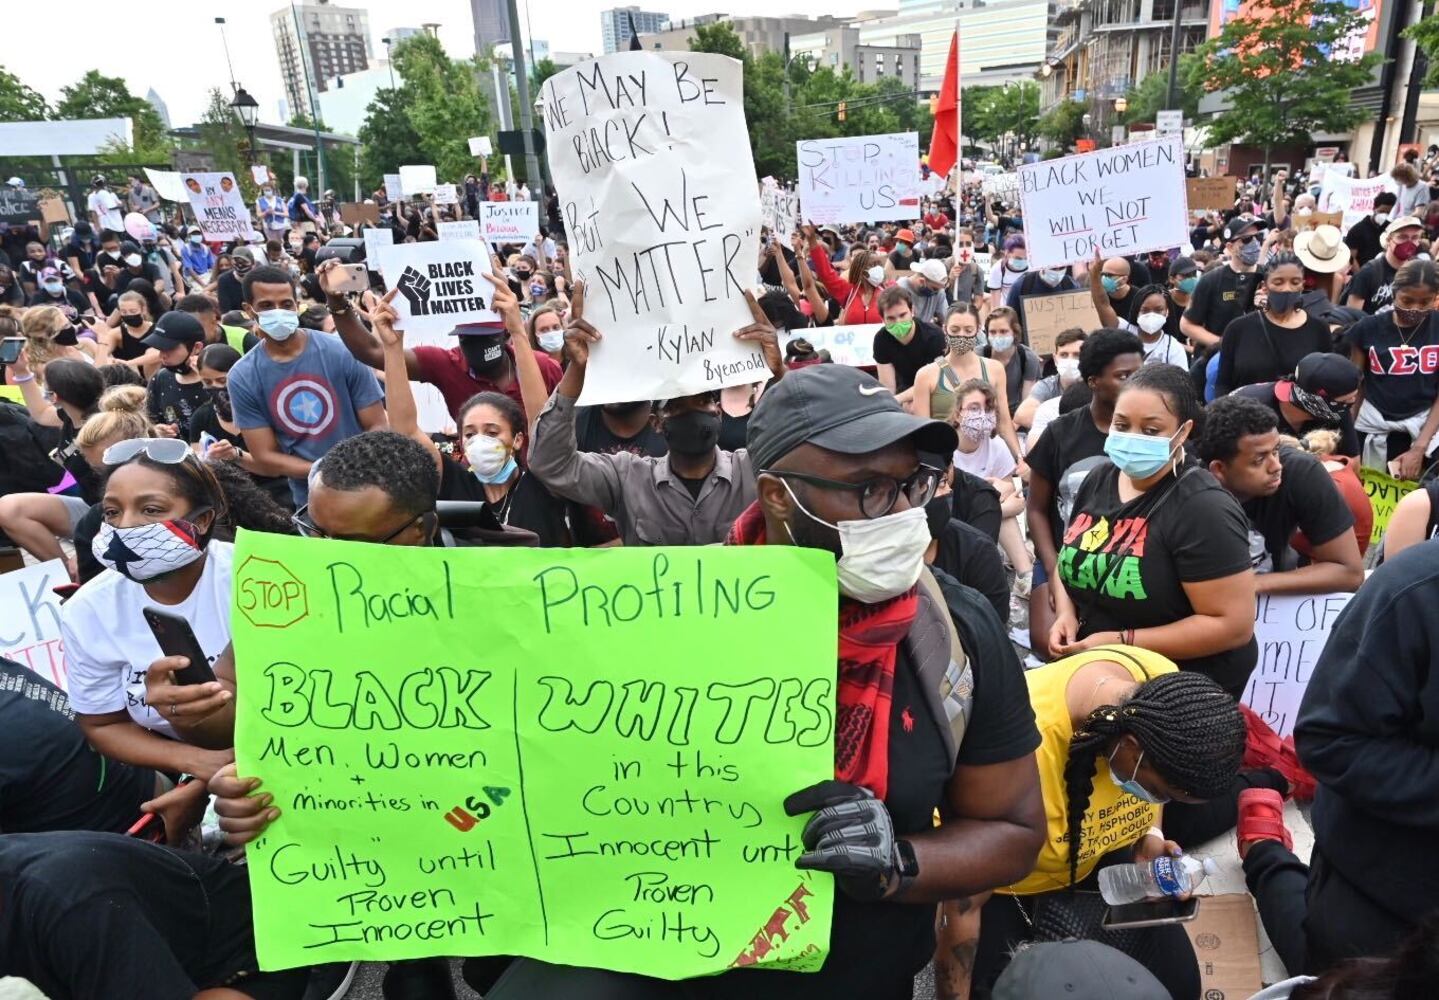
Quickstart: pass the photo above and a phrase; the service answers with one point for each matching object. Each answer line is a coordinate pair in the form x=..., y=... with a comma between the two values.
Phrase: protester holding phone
x=1154, y=735
x=159, y=509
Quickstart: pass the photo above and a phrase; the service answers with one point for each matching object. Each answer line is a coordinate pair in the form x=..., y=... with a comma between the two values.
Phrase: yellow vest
x=1114, y=818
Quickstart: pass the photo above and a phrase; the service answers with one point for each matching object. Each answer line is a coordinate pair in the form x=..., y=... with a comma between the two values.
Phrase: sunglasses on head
x=166, y=451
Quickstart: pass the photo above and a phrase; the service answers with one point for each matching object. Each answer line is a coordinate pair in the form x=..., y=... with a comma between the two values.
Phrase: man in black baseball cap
x=1318, y=396
x=1076, y=970
x=1225, y=293
x=175, y=392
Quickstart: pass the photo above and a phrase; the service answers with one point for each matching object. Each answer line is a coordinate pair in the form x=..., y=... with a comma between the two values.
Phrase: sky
x=176, y=47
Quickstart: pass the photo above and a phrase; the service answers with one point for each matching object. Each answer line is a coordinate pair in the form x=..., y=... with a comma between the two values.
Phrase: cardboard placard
x=31, y=636
x=480, y=146
x=219, y=206
x=18, y=206
x=374, y=240
x=1291, y=631
x=1316, y=219
x=447, y=194
x=393, y=190
x=866, y=178
x=442, y=285
x=359, y=214
x=53, y=212
x=1047, y=316
x=466, y=229
x=779, y=209
x=1210, y=194
x=1352, y=197
x=417, y=179
x=557, y=793
x=847, y=344
x=1225, y=935
x=509, y=221
x=1384, y=492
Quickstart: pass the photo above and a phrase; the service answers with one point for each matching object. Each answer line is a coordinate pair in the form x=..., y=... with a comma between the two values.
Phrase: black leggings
x=1192, y=825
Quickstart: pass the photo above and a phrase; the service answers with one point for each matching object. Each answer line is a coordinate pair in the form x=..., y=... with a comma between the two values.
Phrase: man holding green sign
x=583, y=756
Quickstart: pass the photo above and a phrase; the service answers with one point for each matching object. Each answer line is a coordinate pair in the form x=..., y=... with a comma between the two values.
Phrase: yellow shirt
x=1114, y=818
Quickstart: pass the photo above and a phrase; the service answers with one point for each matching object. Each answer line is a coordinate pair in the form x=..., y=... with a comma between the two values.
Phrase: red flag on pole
x=944, y=144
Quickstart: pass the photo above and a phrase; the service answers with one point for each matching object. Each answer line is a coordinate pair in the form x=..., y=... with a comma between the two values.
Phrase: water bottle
x=1164, y=876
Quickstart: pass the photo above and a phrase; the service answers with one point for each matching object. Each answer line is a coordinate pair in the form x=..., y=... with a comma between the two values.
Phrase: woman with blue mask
x=1124, y=732
x=1156, y=553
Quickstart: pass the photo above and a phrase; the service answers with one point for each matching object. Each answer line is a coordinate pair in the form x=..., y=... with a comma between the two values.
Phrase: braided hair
x=1189, y=729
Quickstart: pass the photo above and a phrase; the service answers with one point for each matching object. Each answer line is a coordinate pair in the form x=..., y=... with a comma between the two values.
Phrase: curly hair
x=1189, y=728
x=1101, y=348
x=1228, y=419
x=400, y=467
x=249, y=507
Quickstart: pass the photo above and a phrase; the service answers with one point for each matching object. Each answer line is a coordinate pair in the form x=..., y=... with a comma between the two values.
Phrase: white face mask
x=551, y=341
x=880, y=557
x=1381, y=217
x=1068, y=368
x=487, y=455
x=875, y=275
x=1151, y=323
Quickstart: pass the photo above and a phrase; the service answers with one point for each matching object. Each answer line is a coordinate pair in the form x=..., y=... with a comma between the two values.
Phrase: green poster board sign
x=575, y=755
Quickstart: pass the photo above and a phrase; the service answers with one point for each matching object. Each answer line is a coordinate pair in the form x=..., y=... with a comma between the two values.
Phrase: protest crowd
x=1060, y=486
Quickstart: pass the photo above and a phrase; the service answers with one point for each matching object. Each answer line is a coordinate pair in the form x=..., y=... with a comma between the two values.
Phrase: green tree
x=339, y=163
x=387, y=136
x=1152, y=95
x=720, y=38
x=990, y=113
x=542, y=70
x=1063, y=124
x=95, y=95
x=19, y=103
x=224, y=138
x=1426, y=35
x=1276, y=64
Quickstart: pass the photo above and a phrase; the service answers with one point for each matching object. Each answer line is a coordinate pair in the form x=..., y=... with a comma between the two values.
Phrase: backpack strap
x=945, y=674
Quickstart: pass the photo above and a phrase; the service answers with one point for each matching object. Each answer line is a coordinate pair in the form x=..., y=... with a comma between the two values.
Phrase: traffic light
x=841, y=110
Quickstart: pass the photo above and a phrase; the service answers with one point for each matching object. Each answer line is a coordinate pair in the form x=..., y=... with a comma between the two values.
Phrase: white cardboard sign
x=480, y=146
x=468, y=229
x=779, y=209
x=442, y=285
x=1004, y=187
x=30, y=624
x=417, y=179
x=446, y=194
x=662, y=227
x=375, y=239
x=219, y=206
x=393, y=190
x=1122, y=201
x=847, y=345
x=509, y=221
x=867, y=178
x=1291, y=631
x=1353, y=197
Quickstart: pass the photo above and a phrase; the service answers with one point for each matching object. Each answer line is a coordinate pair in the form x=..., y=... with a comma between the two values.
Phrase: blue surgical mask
x=1138, y=456
x=278, y=324
x=1132, y=786
x=1002, y=342
x=53, y=287
x=1249, y=253
x=1111, y=285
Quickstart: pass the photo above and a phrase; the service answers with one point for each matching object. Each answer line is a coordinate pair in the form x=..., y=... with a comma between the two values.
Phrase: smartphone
x=1151, y=913
x=10, y=350
x=176, y=638
x=357, y=278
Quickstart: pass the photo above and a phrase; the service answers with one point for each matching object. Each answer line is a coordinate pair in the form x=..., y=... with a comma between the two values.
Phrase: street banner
x=1210, y=194
x=662, y=227
x=509, y=221
x=1291, y=630
x=442, y=285
x=467, y=229
x=1351, y=196
x=219, y=206
x=1122, y=201
x=1384, y=492
x=866, y=178
x=417, y=180
x=394, y=191
x=558, y=791
x=1047, y=316
x=31, y=632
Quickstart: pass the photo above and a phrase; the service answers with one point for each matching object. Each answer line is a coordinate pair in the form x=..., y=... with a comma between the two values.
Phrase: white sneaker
x=1023, y=584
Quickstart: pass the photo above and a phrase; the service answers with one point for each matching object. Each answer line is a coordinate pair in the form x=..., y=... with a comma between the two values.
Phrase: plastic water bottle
x=1164, y=876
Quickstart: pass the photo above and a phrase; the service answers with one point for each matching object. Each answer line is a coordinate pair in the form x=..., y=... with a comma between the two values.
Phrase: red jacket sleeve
x=838, y=288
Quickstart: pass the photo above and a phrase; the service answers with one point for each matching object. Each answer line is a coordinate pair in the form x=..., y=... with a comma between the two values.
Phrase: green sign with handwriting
x=576, y=755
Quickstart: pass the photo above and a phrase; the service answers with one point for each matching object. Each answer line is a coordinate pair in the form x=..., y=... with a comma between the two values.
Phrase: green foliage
x=1425, y=34
x=1152, y=95
x=1276, y=66
x=224, y=138
x=19, y=103
x=1063, y=124
x=95, y=95
x=541, y=71
x=720, y=38
x=991, y=112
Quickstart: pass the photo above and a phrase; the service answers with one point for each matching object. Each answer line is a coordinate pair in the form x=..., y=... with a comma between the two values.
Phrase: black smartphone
x=10, y=350
x=176, y=638
x=1151, y=913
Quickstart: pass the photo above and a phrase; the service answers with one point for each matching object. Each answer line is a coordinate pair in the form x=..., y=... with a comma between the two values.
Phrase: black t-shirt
x=734, y=432
x=1255, y=350
x=1069, y=447
x=130, y=347
x=1401, y=370
x=1375, y=284
x=86, y=565
x=972, y=558
x=528, y=504
x=69, y=302
x=593, y=435
x=1365, y=238
x=229, y=291
x=205, y=421
x=1221, y=297
x=925, y=344
x=1194, y=534
x=89, y=915
x=1264, y=393
x=171, y=401
x=1307, y=500
x=1023, y=366
x=50, y=778
x=975, y=502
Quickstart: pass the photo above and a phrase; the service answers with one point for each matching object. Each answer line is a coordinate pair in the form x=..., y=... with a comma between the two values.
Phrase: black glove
x=851, y=836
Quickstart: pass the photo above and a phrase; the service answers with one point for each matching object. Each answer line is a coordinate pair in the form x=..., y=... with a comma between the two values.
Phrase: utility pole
x=527, y=124
x=1173, y=94
x=314, y=101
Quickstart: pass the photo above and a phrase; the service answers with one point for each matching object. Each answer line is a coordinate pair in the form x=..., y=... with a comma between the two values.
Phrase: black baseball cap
x=1319, y=379
x=1243, y=225
x=840, y=409
x=1076, y=970
x=1182, y=267
x=174, y=329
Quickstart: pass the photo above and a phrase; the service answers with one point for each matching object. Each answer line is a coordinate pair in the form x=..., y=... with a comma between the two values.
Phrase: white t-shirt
x=108, y=646
x=1045, y=415
x=1001, y=275
x=991, y=460
x=107, y=207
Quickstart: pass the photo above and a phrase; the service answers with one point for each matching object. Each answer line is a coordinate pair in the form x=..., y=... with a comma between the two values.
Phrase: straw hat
x=1322, y=249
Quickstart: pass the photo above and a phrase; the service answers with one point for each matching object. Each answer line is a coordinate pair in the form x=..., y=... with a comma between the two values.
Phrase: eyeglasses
x=878, y=496
x=309, y=529
x=166, y=451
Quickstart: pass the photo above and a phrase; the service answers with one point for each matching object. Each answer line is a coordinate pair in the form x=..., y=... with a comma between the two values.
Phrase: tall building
x=840, y=49
x=316, y=42
x=759, y=34
x=615, y=25
x=158, y=103
x=1001, y=40
x=492, y=23
x=400, y=34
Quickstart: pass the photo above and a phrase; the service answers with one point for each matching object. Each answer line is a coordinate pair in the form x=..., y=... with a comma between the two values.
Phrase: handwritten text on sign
x=1384, y=492
x=1047, y=316
x=867, y=178
x=1291, y=631
x=1121, y=201
x=509, y=221
x=664, y=231
x=1354, y=198
x=219, y=206
x=30, y=633
x=563, y=790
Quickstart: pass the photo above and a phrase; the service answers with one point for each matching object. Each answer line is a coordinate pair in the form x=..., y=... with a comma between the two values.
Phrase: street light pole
x=1173, y=92
x=390, y=59
x=522, y=85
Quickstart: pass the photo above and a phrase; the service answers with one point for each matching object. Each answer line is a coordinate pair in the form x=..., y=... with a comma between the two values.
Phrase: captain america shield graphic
x=304, y=406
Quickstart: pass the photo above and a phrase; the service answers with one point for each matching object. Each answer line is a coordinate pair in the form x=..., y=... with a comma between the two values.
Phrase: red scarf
x=869, y=638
